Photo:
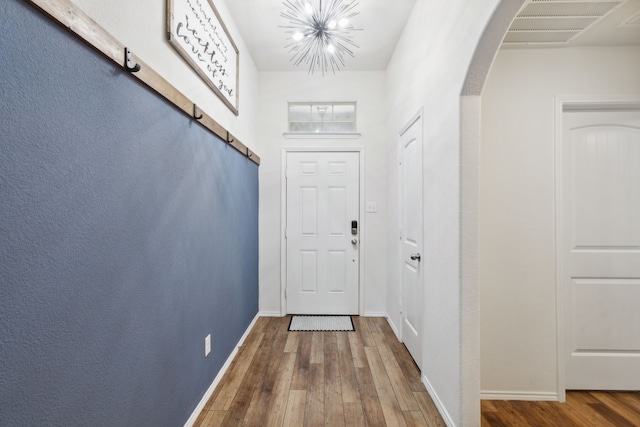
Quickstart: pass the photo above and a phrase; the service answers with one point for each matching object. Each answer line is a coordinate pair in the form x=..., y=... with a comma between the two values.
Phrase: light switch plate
x=372, y=207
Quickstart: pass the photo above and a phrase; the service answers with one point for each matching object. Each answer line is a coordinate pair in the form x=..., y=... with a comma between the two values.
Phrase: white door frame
x=283, y=220
x=417, y=116
x=576, y=104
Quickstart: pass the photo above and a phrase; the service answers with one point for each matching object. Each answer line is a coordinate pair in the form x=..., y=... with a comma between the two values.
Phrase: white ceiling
x=382, y=22
x=562, y=23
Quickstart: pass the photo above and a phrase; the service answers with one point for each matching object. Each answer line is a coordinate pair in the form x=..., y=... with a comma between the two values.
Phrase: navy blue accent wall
x=127, y=234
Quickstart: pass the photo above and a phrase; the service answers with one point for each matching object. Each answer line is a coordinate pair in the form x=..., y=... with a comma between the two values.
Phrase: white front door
x=323, y=232
x=411, y=238
x=601, y=249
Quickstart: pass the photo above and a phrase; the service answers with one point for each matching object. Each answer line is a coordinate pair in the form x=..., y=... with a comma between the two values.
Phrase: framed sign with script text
x=197, y=32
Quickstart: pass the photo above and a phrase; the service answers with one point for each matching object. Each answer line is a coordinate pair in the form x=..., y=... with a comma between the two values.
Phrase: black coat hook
x=195, y=113
x=128, y=62
x=229, y=138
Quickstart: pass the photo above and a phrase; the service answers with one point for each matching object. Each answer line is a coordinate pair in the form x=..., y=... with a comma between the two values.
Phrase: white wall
x=517, y=206
x=141, y=25
x=428, y=71
x=368, y=89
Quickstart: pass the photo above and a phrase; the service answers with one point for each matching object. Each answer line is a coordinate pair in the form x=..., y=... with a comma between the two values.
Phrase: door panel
x=601, y=249
x=411, y=235
x=323, y=191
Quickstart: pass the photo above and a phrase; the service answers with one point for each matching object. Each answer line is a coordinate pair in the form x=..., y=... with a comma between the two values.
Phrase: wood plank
x=354, y=415
x=415, y=419
x=611, y=415
x=259, y=405
x=357, y=351
x=630, y=398
x=487, y=406
x=292, y=342
x=278, y=401
x=70, y=16
x=553, y=411
x=225, y=393
x=536, y=414
x=580, y=414
x=396, y=376
x=252, y=380
x=509, y=415
x=619, y=406
x=213, y=419
x=349, y=382
x=403, y=358
x=492, y=419
x=428, y=409
x=582, y=409
x=317, y=347
x=369, y=396
x=334, y=409
x=314, y=409
x=294, y=415
x=388, y=401
x=362, y=329
x=580, y=403
x=301, y=368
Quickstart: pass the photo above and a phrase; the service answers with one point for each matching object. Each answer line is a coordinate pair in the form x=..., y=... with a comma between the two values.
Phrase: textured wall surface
x=427, y=73
x=127, y=234
x=517, y=222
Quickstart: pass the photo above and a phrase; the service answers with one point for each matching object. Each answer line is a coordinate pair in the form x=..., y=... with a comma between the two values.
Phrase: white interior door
x=601, y=249
x=323, y=192
x=411, y=237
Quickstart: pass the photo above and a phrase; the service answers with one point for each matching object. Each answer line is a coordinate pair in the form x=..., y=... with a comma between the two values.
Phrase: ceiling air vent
x=555, y=22
x=632, y=22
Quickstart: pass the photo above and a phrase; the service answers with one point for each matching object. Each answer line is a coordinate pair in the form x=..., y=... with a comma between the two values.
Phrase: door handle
x=416, y=257
x=354, y=242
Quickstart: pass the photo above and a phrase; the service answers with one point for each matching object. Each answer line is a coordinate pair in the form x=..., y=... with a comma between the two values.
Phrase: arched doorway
x=470, y=138
x=471, y=104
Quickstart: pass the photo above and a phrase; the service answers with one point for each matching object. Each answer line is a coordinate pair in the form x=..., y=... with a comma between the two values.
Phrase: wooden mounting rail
x=79, y=23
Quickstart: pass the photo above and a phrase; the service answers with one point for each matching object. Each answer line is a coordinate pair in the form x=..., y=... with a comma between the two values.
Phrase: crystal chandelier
x=319, y=32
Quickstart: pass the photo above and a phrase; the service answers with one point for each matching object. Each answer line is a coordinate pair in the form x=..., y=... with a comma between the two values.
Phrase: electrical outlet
x=207, y=345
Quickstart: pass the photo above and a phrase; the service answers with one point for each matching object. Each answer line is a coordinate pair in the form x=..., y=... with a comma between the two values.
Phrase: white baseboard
x=519, y=395
x=436, y=400
x=207, y=395
x=270, y=314
x=374, y=314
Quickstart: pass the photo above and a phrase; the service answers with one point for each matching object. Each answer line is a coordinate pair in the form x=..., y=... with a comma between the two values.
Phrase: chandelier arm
x=319, y=32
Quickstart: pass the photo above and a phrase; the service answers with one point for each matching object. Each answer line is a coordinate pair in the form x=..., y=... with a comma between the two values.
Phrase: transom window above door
x=322, y=117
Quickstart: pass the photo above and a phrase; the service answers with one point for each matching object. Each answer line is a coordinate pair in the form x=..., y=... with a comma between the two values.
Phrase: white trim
x=399, y=331
x=374, y=314
x=321, y=135
x=572, y=104
x=439, y=405
x=270, y=314
x=283, y=219
x=207, y=395
x=520, y=395
x=560, y=338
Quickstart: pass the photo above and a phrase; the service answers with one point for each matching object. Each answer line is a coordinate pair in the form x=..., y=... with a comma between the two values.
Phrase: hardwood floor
x=281, y=378
x=367, y=378
x=582, y=409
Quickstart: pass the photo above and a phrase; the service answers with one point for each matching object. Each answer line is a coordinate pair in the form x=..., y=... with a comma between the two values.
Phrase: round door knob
x=354, y=242
x=416, y=257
